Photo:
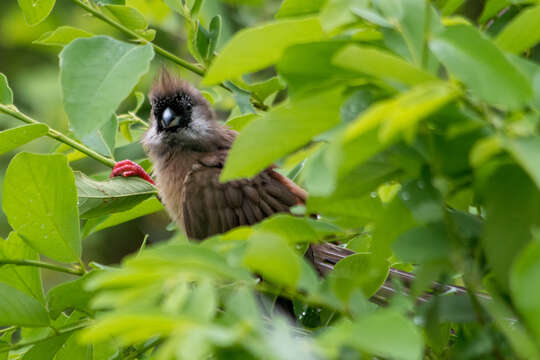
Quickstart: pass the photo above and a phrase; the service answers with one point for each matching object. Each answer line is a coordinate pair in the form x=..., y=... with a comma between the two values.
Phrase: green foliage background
x=413, y=124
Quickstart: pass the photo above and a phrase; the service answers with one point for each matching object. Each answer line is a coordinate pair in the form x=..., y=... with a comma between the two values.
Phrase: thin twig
x=144, y=349
x=33, y=342
x=185, y=64
x=41, y=264
x=13, y=111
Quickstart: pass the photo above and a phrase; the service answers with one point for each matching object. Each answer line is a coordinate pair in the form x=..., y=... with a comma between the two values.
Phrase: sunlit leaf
x=40, y=201
x=17, y=308
x=13, y=138
x=6, y=95
x=35, y=11
x=62, y=36
x=246, y=52
x=97, y=74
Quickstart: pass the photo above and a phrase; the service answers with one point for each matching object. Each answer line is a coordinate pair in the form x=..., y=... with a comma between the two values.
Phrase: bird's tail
x=325, y=256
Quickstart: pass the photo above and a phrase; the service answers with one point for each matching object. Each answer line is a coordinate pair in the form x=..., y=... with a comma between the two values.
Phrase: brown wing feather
x=211, y=207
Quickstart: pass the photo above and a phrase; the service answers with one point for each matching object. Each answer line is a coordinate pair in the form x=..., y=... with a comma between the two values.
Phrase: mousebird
x=188, y=148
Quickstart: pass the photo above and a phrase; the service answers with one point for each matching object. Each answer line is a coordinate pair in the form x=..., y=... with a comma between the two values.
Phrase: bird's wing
x=211, y=207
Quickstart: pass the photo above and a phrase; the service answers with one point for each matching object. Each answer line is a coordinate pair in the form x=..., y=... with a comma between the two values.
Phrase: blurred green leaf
x=512, y=208
x=270, y=255
x=35, y=11
x=524, y=272
x=73, y=349
x=6, y=95
x=24, y=278
x=299, y=121
x=290, y=228
x=381, y=64
x=62, y=36
x=97, y=74
x=358, y=272
x=522, y=33
x=525, y=150
x=290, y=8
x=477, y=62
x=17, y=308
x=98, y=198
x=336, y=13
x=423, y=244
x=372, y=334
x=40, y=201
x=13, y=138
x=238, y=123
x=246, y=52
x=306, y=67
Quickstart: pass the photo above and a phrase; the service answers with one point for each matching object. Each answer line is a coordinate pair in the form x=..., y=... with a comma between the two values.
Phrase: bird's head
x=180, y=115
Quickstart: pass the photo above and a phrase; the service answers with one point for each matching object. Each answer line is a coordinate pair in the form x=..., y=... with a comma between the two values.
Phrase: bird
x=188, y=147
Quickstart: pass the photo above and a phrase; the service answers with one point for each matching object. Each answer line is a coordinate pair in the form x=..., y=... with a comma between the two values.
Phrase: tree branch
x=41, y=264
x=13, y=111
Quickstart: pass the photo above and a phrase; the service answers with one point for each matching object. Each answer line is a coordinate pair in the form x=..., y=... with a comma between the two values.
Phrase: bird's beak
x=167, y=117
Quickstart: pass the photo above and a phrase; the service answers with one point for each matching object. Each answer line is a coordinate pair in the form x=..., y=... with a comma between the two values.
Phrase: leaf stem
x=166, y=54
x=144, y=349
x=42, y=264
x=21, y=345
x=13, y=111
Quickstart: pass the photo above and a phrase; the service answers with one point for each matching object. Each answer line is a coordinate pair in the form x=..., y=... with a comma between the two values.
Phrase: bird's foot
x=129, y=168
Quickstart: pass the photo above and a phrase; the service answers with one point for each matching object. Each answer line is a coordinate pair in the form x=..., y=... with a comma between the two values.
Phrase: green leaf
x=35, y=11
x=195, y=8
x=74, y=349
x=512, y=208
x=358, y=272
x=97, y=74
x=476, y=61
x=309, y=66
x=70, y=295
x=103, y=140
x=299, y=121
x=290, y=8
x=237, y=123
x=40, y=202
x=46, y=349
x=214, y=34
x=17, y=308
x=337, y=13
x=13, y=138
x=6, y=95
x=128, y=16
x=384, y=333
x=62, y=36
x=148, y=206
x=423, y=244
x=525, y=272
x=522, y=33
x=24, y=278
x=525, y=151
x=270, y=255
x=245, y=52
x=381, y=64
x=290, y=228
x=385, y=122
x=98, y=198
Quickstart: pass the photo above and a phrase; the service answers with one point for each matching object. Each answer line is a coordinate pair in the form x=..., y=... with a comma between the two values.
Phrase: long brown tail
x=325, y=256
